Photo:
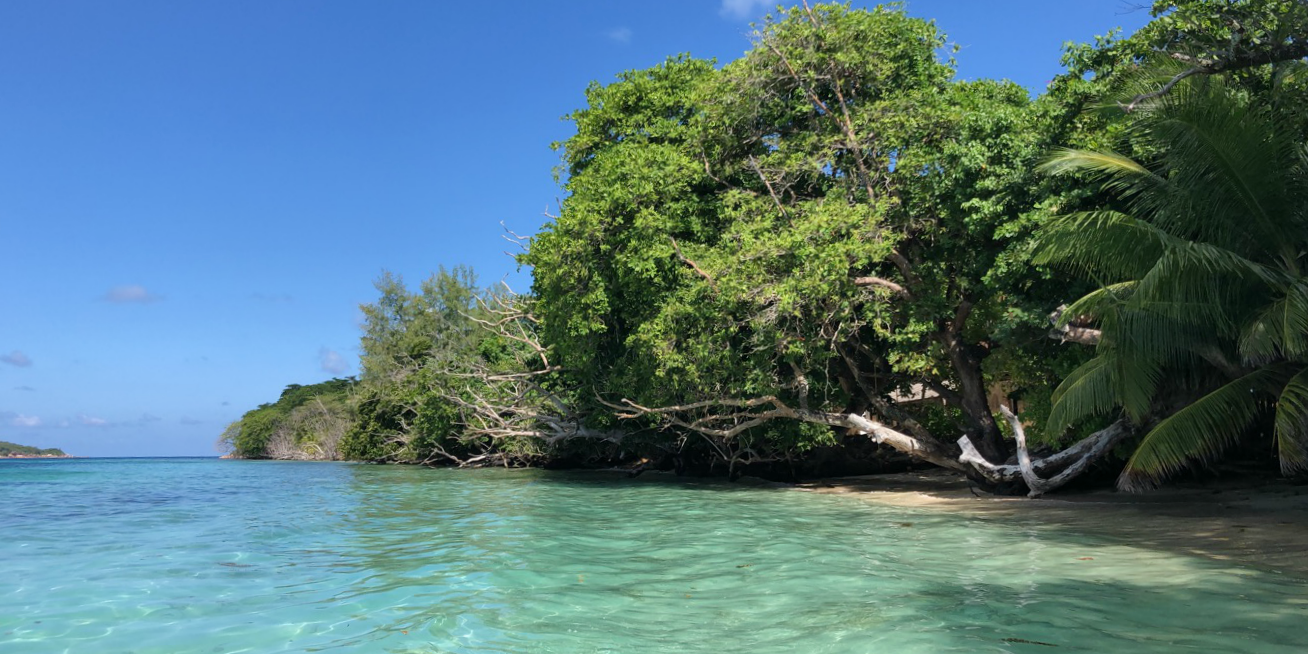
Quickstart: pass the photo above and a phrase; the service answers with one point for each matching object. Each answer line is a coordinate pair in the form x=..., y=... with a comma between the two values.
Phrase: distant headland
x=15, y=451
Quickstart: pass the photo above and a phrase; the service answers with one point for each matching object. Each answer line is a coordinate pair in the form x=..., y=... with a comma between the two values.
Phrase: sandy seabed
x=1260, y=523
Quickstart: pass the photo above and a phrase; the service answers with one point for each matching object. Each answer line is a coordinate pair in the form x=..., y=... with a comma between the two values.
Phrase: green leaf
x=1292, y=424
x=1087, y=391
x=1201, y=430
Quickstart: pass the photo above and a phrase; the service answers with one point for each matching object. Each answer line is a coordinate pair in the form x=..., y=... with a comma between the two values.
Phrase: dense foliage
x=1204, y=311
x=306, y=422
x=832, y=241
x=830, y=220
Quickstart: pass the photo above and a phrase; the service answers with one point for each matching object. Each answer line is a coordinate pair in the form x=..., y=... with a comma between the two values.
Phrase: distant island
x=15, y=451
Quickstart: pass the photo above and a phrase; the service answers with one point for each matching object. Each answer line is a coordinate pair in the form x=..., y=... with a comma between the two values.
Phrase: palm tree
x=1203, y=305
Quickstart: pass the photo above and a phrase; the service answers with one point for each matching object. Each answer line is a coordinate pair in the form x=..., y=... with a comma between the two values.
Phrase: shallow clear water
x=167, y=556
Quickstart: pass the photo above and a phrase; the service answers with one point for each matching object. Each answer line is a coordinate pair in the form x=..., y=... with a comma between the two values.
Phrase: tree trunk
x=984, y=432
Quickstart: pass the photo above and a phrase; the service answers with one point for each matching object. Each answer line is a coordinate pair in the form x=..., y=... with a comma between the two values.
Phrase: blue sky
x=195, y=197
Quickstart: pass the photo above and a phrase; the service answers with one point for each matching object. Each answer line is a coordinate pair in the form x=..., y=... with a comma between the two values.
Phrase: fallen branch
x=725, y=419
x=1069, y=463
x=747, y=415
x=1034, y=483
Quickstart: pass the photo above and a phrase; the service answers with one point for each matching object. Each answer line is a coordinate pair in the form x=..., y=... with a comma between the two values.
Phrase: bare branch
x=747, y=415
x=694, y=266
x=514, y=237
x=1163, y=90
x=753, y=163
x=1296, y=48
x=801, y=385
x=883, y=283
x=1082, y=335
x=726, y=418
x=1035, y=484
x=905, y=267
x=1069, y=463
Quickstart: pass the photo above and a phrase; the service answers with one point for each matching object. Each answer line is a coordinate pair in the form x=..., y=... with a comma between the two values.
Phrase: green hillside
x=8, y=449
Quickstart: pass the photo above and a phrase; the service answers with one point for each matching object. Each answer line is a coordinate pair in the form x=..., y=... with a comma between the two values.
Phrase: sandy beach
x=1260, y=523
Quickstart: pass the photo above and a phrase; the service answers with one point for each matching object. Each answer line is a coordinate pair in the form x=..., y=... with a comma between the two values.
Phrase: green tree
x=306, y=422
x=411, y=343
x=799, y=237
x=1238, y=38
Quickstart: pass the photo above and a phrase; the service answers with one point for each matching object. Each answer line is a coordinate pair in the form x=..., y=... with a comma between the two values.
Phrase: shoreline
x=1261, y=524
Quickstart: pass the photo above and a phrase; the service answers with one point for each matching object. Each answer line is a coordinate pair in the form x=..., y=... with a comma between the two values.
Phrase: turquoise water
x=167, y=556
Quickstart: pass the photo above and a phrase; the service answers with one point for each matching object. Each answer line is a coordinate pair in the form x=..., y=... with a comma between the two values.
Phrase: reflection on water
x=231, y=556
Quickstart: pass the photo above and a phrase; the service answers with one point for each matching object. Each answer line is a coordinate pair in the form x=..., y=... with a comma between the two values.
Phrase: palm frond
x=1104, y=244
x=1280, y=330
x=1064, y=161
x=1200, y=431
x=1204, y=261
x=1290, y=72
x=1292, y=424
x=1119, y=173
x=1087, y=391
x=1135, y=380
x=1227, y=160
x=1156, y=336
x=1194, y=282
x=1097, y=303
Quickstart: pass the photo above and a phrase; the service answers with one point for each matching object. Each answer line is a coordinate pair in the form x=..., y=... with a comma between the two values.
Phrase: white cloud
x=191, y=421
x=742, y=9
x=619, y=34
x=16, y=358
x=92, y=421
x=28, y=389
x=21, y=420
x=130, y=294
x=331, y=361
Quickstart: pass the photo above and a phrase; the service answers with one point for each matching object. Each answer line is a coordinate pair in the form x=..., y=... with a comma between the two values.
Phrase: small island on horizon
x=15, y=451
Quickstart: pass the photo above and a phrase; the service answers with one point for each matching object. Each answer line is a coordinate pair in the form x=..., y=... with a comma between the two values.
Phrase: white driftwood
x=728, y=418
x=916, y=448
x=1072, y=333
x=1081, y=456
x=1034, y=483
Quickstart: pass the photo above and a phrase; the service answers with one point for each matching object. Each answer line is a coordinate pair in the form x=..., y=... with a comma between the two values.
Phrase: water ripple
x=208, y=556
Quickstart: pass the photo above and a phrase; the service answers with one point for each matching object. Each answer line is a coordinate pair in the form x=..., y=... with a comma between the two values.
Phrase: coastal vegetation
x=831, y=249
x=15, y=451
x=306, y=422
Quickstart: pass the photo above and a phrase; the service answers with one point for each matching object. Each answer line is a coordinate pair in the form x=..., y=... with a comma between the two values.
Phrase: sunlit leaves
x=717, y=221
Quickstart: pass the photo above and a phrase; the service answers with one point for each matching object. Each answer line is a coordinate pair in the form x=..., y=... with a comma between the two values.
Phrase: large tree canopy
x=831, y=222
